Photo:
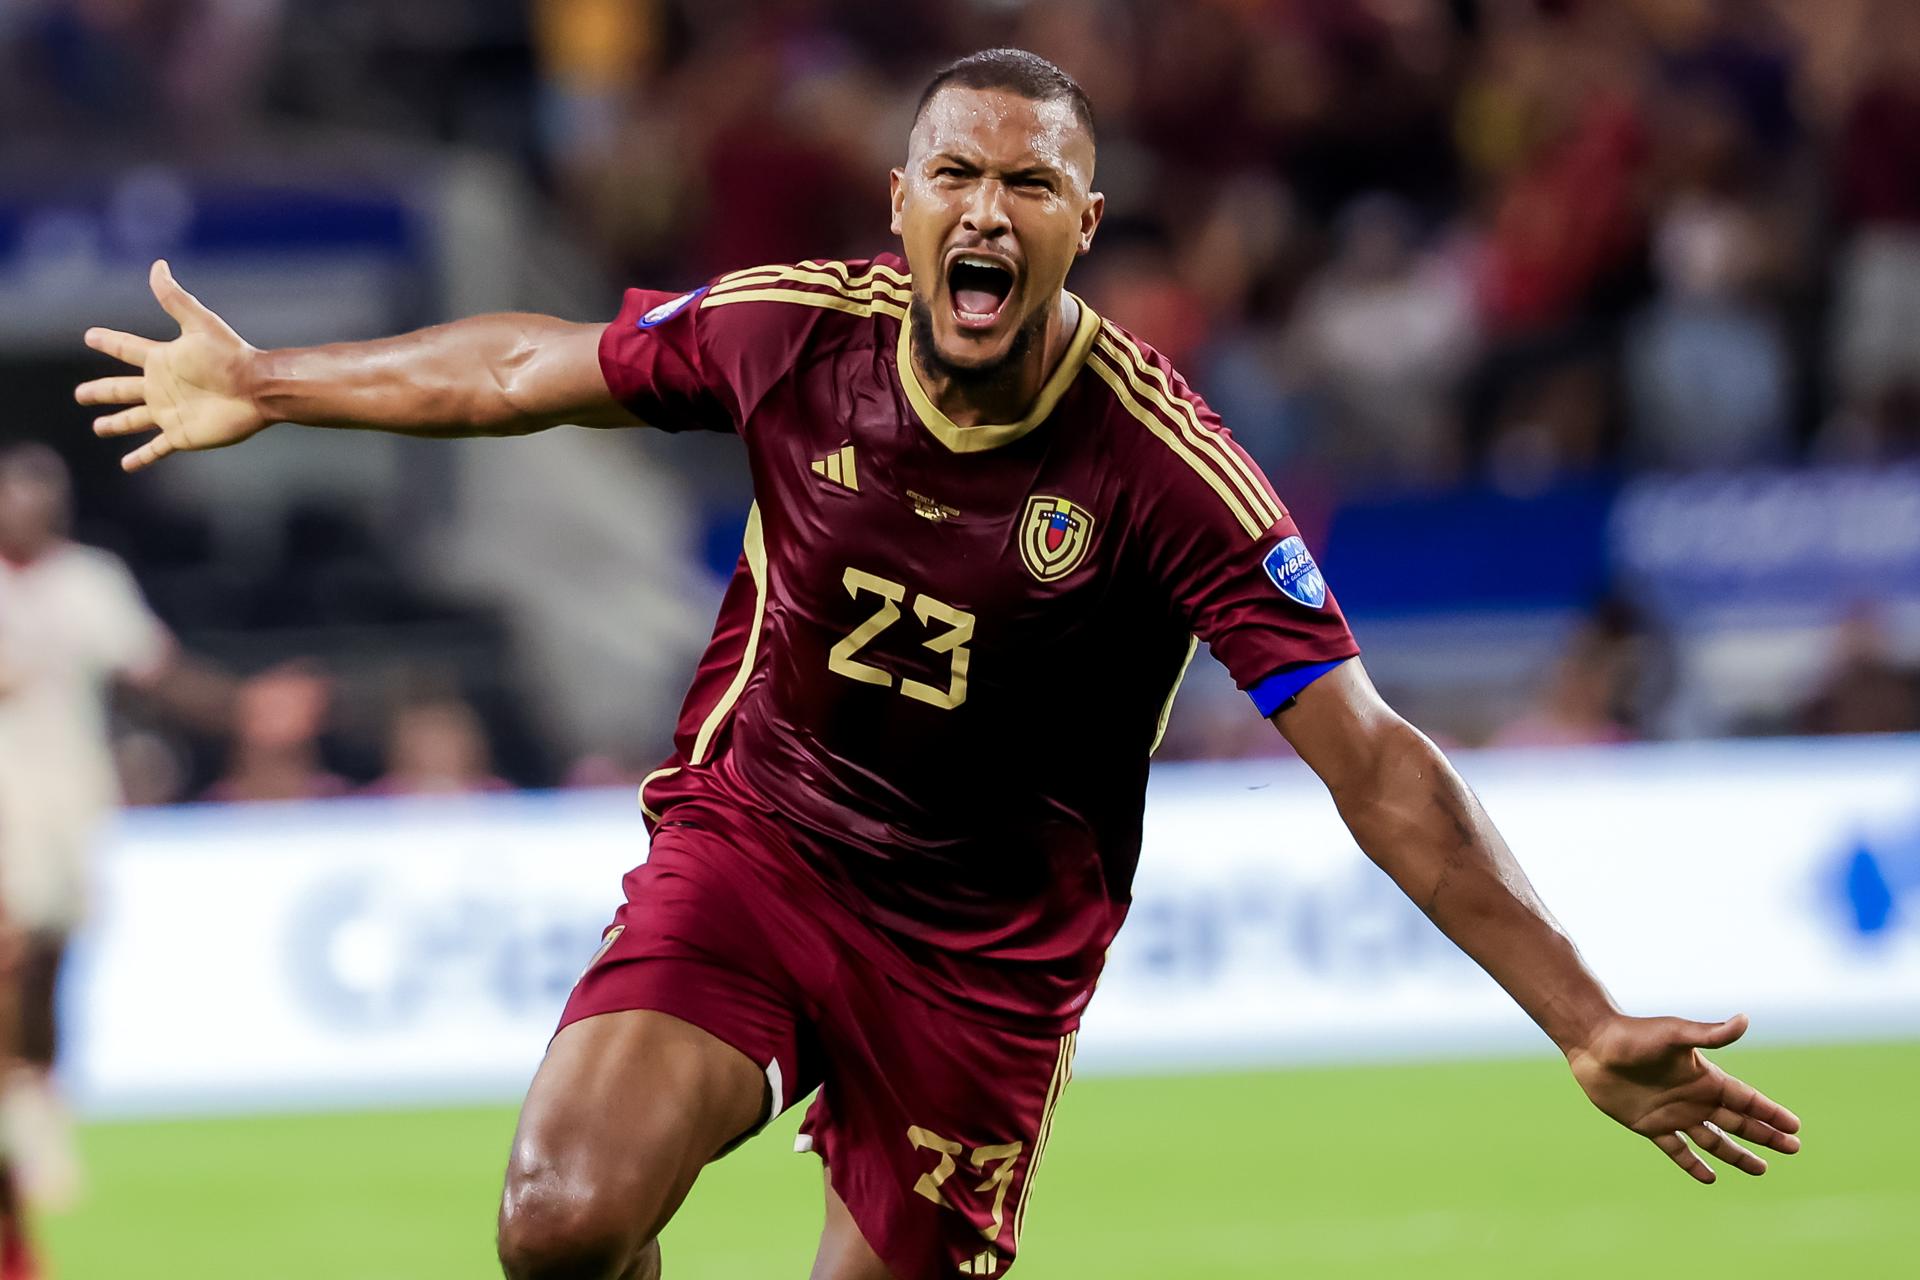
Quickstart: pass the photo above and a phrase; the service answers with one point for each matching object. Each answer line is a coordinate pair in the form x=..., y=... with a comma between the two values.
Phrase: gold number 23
x=1002, y=1155
x=952, y=641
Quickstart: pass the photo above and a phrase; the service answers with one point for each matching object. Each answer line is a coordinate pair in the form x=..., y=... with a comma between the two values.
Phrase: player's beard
x=985, y=383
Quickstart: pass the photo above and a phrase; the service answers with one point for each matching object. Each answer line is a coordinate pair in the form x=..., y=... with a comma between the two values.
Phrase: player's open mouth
x=979, y=287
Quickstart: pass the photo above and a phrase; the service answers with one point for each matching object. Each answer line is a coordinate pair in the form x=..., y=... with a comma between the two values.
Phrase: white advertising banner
x=397, y=951
x=1697, y=880
x=340, y=951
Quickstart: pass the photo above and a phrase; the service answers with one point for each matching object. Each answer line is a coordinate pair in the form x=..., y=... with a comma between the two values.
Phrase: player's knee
x=555, y=1229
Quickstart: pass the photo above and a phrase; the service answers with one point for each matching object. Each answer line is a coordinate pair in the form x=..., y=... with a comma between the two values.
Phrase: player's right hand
x=193, y=392
x=1648, y=1074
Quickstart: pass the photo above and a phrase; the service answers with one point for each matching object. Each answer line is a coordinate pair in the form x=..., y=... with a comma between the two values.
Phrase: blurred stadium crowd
x=1507, y=248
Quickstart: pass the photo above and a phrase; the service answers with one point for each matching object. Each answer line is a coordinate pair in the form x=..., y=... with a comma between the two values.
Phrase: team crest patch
x=1054, y=535
x=1292, y=569
x=667, y=310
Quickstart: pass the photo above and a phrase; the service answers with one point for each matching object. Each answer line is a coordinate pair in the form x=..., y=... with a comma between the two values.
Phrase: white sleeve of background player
x=123, y=635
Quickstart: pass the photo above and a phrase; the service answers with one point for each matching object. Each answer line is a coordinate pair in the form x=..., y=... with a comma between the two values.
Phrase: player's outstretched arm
x=1415, y=817
x=208, y=388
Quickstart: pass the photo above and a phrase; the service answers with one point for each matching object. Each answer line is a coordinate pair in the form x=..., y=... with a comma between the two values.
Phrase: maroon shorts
x=931, y=1126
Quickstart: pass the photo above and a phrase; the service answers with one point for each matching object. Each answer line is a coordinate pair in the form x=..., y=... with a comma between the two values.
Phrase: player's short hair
x=1027, y=74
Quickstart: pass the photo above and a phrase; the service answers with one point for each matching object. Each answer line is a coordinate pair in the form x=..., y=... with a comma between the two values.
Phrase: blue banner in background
x=1814, y=543
x=318, y=252
x=1707, y=549
x=156, y=212
x=1470, y=550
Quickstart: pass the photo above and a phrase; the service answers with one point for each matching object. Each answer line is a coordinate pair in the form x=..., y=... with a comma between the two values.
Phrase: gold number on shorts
x=999, y=1180
x=929, y=1184
x=952, y=641
x=1002, y=1155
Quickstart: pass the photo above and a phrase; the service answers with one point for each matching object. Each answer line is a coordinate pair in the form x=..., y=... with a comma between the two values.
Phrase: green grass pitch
x=1459, y=1169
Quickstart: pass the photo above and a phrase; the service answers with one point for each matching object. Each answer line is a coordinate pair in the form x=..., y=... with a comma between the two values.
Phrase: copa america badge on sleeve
x=667, y=310
x=1292, y=569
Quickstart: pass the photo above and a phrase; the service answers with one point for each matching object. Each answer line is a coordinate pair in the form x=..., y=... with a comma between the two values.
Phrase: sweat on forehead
x=993, y=122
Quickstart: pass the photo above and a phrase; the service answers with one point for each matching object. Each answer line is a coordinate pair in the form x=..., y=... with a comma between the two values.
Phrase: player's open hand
x=1648, y=1074
x=192, y=392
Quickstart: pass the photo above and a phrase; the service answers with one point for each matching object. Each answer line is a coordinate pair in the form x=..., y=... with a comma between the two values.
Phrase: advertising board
x=401, y=951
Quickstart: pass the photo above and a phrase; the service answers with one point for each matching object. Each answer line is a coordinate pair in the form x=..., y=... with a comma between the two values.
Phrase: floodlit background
x=1582, y=338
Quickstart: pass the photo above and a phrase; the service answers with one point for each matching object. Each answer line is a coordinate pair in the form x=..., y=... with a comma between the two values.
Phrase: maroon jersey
x=947, y=653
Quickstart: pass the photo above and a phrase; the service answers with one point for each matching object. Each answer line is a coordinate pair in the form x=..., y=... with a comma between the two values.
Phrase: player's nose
x=985, y=214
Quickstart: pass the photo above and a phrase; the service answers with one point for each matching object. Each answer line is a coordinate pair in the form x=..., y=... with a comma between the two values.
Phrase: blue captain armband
x=1277, y=690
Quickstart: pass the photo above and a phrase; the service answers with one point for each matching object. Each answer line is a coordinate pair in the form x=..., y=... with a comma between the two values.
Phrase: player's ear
x=1090, y=219
x=897, y=195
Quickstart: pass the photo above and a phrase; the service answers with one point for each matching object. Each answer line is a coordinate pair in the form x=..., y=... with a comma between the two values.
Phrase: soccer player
x=72, y=625
x=903, y=813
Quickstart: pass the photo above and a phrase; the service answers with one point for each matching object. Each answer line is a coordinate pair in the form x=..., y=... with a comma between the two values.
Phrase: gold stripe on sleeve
x=1130, y=359
x=861, y=306
x=873, y=267
x=861, y=288
x=756, y=549
x=1098, y=361
x=821, y=271
x=840, y=282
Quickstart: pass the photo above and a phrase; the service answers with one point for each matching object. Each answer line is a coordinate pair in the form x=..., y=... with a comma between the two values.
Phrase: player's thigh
x=685, y=1033
x=624, y=1112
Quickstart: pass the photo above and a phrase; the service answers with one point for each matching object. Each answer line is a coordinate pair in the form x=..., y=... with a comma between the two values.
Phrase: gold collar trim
x=961, y=439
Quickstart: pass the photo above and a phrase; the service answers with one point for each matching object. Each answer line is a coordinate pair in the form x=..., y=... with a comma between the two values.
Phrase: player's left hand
x=1648, y=1074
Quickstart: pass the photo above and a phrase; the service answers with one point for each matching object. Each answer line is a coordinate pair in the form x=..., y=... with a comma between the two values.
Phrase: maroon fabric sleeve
x=656, y=357
x=1258, y=602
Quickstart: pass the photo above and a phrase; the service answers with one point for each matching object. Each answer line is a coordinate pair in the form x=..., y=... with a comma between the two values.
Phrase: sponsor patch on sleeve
x=1292, y=569
x=667, y=310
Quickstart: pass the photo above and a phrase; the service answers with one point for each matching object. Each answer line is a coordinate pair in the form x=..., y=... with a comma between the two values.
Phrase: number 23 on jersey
x=952, y=628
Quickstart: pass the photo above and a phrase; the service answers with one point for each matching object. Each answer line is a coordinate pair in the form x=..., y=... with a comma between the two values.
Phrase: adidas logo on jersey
x=984, y=1263
x=838, y=468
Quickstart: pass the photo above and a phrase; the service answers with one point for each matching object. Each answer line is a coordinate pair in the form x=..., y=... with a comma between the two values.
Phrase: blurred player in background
x=72, y=625
x=901, y=822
